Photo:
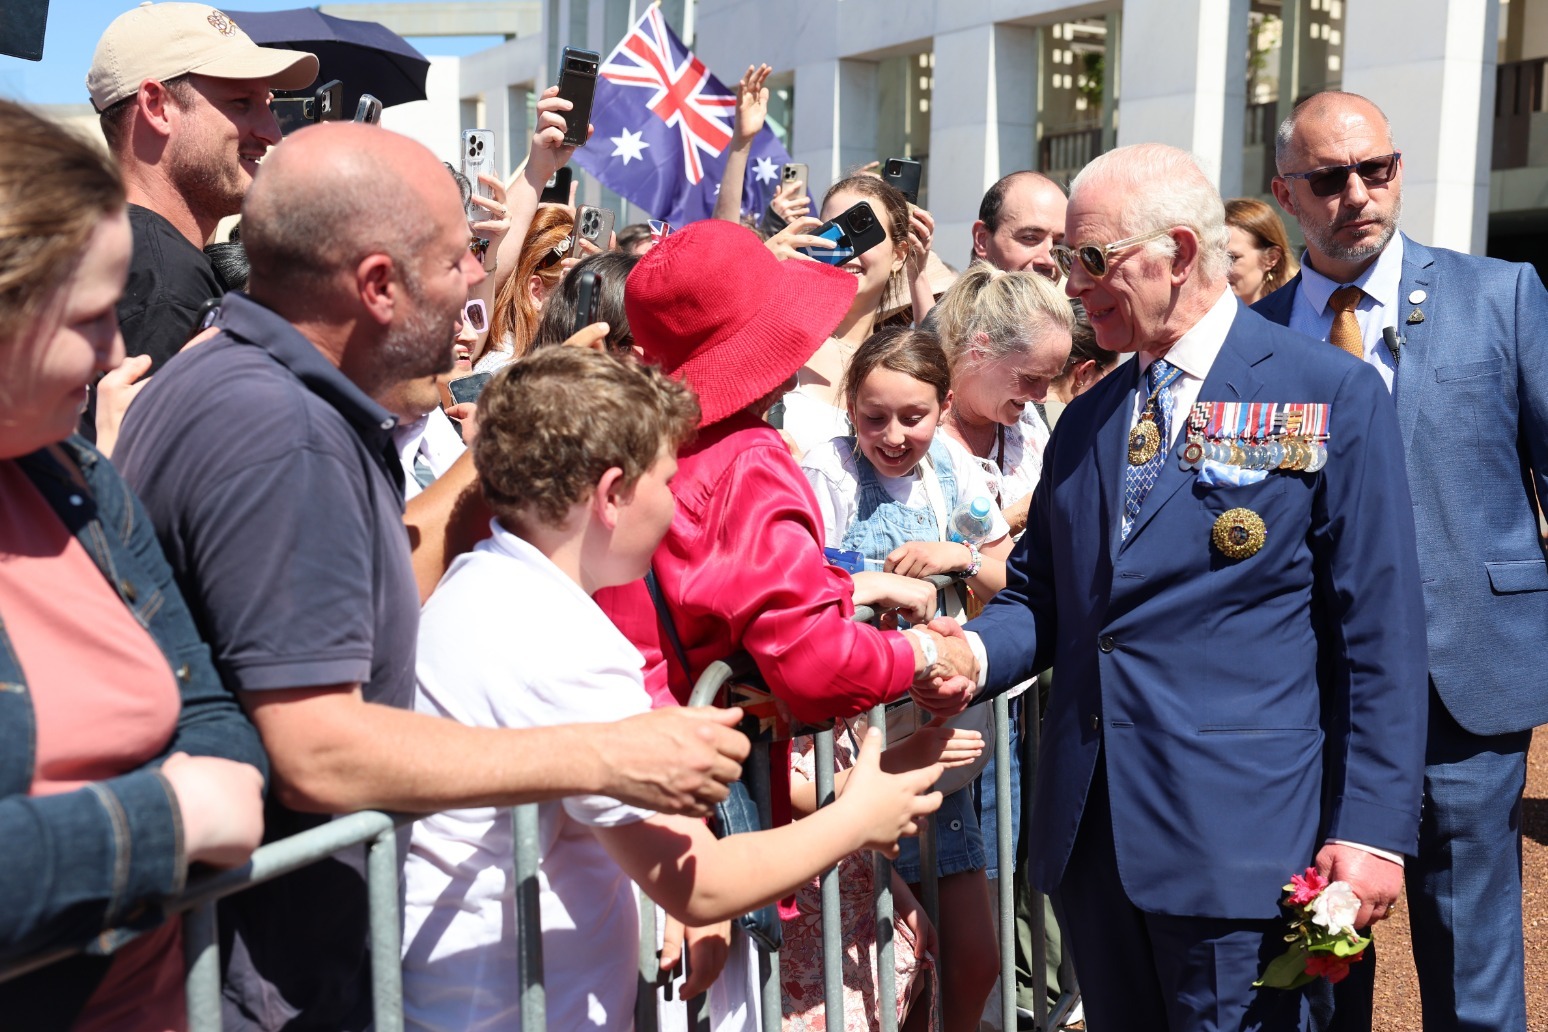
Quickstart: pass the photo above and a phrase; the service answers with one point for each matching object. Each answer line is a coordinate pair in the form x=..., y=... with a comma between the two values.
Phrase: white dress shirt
x=1378, y=309
x=1195, y=355
x=508, y=640
x=432, y=436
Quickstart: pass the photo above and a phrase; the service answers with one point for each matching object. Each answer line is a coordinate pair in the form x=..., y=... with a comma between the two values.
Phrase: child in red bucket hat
x=742, y=566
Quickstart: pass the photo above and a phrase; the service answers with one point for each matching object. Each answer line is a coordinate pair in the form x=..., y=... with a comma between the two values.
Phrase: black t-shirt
x=169, y=281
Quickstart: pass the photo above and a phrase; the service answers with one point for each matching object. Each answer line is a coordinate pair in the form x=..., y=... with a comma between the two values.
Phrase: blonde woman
x=1007, y=336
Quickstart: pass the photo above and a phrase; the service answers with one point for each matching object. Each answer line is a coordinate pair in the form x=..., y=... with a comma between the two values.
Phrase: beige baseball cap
x=163, y=41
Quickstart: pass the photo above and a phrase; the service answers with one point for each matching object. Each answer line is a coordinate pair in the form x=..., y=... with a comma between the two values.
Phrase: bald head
x=1020, y=219
x=332, y=194
x=1323, y=115
x=1349, y=211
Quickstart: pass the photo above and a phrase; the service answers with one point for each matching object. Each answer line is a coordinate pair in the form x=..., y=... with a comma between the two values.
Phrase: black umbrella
x=366, y=56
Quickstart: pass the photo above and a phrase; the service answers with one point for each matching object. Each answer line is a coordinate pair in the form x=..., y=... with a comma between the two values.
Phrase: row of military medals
x=1252, y=435
x=1257, y=435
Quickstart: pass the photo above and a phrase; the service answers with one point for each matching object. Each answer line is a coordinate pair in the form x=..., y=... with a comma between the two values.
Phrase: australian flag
x=663, y=129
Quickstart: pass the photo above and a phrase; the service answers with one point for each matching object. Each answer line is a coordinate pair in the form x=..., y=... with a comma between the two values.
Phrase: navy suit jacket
x=1472, y=402
x=1245, y=709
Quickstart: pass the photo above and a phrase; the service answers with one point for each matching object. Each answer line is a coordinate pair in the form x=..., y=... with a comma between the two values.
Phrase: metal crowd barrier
x=708, y=692
x=201, y=938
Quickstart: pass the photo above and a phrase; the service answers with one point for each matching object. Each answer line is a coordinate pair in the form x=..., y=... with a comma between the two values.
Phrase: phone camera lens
x=863, y=220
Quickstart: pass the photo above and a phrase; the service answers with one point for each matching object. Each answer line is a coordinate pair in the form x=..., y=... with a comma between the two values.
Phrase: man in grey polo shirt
x=267, y=464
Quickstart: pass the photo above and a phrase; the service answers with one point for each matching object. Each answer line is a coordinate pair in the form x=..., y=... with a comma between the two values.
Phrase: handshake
x=945, y=669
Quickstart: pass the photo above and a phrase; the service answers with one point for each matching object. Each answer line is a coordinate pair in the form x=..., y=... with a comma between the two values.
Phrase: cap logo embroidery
x=223, y=25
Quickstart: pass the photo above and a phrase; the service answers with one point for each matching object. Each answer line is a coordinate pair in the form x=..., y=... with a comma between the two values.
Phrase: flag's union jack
x=683, y=91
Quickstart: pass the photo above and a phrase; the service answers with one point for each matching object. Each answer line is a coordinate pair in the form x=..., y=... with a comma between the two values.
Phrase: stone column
x=835, y=118
x=1430, y=65
x=1183, y=66
x=983, y=124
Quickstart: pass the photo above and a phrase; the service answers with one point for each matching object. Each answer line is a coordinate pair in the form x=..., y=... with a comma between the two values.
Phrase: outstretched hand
x=497, y=224
x=752, y=102
x=887, y=806
x=676, y=759
x=921, y=234
x=791, y=201
x=948, y=691
x=785, y=242
x=935, y=742
x=549, y=153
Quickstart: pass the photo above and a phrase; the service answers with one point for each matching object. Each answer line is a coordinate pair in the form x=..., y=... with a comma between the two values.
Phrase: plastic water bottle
x=970, y=522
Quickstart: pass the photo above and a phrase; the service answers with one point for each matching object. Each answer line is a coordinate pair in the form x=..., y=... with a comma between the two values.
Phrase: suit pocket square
x=1221, y=474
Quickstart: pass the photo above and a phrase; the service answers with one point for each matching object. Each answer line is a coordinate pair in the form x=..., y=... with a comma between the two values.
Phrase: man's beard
x=1326, y=240
x=212, y=187
x=419, y=346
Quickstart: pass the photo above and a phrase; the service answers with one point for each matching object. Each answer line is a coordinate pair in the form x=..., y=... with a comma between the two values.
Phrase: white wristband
x=926, y=646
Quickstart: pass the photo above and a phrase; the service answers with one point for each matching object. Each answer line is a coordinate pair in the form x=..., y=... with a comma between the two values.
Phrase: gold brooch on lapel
x=1239, y=533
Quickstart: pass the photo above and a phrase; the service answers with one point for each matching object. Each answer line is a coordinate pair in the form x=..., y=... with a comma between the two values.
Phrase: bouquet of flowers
x=1322, y=938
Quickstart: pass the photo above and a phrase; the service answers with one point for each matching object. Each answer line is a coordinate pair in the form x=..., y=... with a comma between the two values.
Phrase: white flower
x=1335, y=908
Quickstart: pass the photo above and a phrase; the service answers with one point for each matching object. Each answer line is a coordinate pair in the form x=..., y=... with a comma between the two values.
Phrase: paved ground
x=1397, y=986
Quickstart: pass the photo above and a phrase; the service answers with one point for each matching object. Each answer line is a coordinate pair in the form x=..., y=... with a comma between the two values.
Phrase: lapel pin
x=1417, y=297
x=1416, y=316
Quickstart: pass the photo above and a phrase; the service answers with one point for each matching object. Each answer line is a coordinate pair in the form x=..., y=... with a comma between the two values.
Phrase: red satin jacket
x=742, y=567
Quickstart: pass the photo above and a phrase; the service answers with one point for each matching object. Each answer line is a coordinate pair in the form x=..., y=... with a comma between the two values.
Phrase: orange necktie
x=1346, y=328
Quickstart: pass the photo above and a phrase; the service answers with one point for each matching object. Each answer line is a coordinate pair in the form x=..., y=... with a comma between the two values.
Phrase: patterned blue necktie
x=1138, y=480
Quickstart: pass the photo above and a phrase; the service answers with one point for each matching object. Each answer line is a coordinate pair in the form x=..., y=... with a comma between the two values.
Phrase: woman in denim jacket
x=122, y=758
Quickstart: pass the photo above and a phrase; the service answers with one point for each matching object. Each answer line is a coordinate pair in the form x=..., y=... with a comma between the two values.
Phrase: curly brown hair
x=551, y=423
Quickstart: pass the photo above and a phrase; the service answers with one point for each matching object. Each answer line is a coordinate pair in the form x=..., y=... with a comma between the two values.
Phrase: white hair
x=1163, y=187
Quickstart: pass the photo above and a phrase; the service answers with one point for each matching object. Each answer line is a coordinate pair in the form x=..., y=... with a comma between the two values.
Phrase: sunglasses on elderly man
x=1095, y=256
x=1331, y=179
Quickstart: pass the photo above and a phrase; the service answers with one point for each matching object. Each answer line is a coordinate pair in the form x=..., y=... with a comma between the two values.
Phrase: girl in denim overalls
x=886, y=493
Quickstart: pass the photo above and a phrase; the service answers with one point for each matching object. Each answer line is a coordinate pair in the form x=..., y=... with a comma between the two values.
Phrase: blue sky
x=75, y=25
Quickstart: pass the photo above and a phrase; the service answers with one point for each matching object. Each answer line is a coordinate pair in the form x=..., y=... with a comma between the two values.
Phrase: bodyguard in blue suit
x=1465, y=357
x=1238, y=692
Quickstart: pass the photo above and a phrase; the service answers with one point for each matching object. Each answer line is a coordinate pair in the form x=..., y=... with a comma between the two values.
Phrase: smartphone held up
x=478, y=158
x=853, y=232
x=578, y=84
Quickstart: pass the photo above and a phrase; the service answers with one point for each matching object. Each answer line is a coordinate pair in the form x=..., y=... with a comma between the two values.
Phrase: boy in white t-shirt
x=574, y=455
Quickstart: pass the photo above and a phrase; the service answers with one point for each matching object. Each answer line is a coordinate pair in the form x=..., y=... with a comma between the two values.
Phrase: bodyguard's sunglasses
x=474, y=314
x=1331, y=179
x=1094, y=257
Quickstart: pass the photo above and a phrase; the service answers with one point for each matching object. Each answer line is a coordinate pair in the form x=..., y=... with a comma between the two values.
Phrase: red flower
x=1326, y=965
x=1307, y=887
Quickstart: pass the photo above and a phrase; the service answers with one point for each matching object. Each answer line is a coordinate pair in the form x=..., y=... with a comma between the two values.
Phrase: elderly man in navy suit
x=1220, y=564
x=1458, y=340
